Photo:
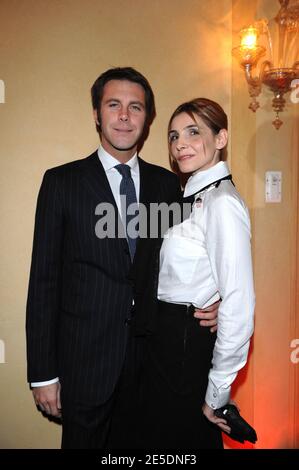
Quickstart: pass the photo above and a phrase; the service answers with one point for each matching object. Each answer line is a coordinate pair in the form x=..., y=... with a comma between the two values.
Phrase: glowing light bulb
x=249, y=38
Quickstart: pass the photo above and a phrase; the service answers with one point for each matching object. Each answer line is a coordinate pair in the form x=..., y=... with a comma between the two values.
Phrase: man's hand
x=209, y=414
x=47, y=398
x=208, y=316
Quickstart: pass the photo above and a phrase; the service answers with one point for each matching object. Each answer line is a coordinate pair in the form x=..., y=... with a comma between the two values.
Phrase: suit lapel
x=145, y=183
x=97, y=182
x=96, y=179
x=147, y=194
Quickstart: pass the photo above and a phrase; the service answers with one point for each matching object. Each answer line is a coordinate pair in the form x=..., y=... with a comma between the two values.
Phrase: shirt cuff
x=217, y=398
x=46, y=382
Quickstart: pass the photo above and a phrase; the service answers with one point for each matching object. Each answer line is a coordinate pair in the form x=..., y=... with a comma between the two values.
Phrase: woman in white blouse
x=189, y=371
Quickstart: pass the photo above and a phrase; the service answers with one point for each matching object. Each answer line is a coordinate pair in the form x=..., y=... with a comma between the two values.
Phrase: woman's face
x=193, y=145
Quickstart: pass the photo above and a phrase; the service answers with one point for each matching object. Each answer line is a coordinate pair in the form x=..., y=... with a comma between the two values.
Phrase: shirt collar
x=201, y=179
x=110, y=162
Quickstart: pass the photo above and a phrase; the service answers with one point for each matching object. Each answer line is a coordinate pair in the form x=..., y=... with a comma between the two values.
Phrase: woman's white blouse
x=208, y=257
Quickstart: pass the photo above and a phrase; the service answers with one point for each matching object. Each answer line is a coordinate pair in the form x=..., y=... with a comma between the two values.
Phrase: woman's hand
x=209, y=414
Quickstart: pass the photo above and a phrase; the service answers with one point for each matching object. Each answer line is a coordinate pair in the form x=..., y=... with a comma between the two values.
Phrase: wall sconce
x=282, y=64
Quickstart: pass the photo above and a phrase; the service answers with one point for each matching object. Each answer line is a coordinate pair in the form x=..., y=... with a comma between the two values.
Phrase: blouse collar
x=203, y=178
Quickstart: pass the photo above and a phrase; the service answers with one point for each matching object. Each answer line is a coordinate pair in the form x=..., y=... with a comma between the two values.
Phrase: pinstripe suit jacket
x=80, y=291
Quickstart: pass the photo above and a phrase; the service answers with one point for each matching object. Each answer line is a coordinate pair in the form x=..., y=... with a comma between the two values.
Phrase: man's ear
x=221, y=139
x=95, y=116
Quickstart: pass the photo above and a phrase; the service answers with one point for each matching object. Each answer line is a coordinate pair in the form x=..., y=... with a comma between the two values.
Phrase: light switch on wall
x=273, y=186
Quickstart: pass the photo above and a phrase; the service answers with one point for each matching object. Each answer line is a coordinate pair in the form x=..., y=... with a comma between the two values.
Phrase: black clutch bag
x=240, y=430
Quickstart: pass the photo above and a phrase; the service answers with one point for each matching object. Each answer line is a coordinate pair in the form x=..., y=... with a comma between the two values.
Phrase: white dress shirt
x=114, y=178
x=208, y=257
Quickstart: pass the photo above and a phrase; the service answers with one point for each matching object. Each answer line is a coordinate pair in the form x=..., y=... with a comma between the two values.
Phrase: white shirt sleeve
x=227, y=227
x=46, y=382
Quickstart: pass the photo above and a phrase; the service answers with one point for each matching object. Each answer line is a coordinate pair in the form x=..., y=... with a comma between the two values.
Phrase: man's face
x=122, y=115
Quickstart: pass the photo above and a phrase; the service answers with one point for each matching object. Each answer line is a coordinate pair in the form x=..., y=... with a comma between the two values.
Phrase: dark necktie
x=128, y=197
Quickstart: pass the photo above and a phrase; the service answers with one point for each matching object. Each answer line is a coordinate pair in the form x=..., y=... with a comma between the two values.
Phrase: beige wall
x=275, y=249
x=50, y=54
x=270, y=393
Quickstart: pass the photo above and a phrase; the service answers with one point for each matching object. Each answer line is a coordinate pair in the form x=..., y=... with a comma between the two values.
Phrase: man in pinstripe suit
x=79, y=348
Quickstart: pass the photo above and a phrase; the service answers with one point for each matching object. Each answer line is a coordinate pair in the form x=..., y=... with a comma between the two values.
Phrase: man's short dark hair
x=124, y=73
